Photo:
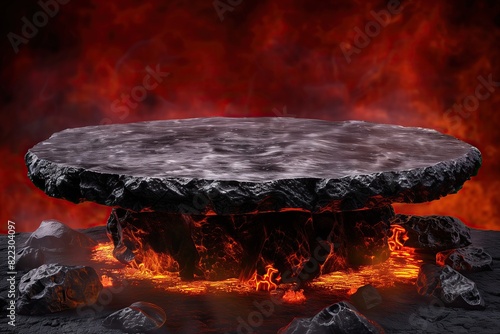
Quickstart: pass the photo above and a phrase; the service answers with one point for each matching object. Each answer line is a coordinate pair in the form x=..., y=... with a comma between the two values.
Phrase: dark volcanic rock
x=366, y=297
x=140, y=317
x=28, y=258
x=366, y=234
x=53, y=288
x=434, y=233
x=297, y=243
x=449, y=286
x=403, y=311
x=54, y=236
x=246, y=165
x=134, y=234
x=466, y=259
x=341, y=318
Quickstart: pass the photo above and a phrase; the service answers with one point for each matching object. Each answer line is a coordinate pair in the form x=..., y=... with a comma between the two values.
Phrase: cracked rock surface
x=466, y=259
x=28, y=258
x=244, y=165
x=451, y=287
x=53, y=288
x=342, y=318
x=54, y=236
x=139, y=317
x=434, y=233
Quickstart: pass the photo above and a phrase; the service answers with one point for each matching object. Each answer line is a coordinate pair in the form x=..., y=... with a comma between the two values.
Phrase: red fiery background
x=265, y=58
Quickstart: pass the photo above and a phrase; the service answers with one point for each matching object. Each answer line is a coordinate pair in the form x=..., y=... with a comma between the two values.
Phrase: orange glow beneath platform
x=401, y=268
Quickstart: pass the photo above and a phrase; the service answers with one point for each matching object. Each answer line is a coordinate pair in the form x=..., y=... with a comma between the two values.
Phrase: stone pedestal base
x=299, y=244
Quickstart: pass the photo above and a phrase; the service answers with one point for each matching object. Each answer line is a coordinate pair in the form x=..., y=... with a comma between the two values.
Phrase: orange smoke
x=88, y=63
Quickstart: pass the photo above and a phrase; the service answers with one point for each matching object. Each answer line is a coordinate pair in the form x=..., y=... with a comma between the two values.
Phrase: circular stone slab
x=248, y=165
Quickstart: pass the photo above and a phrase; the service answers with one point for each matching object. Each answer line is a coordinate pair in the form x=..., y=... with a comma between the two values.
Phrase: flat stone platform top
x=241, y=165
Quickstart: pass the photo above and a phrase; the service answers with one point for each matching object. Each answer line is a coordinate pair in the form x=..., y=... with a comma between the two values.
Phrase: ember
x=106, y=281
x=294, y=297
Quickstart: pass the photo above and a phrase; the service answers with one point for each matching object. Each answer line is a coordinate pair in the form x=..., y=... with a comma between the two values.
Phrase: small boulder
x=366, y=297
x=140, y=317
x=28, y=258
x=341, y=318
x=434, y=233
x=451, y=287
x=52, y=288
x=465, y=259
x=54, y=236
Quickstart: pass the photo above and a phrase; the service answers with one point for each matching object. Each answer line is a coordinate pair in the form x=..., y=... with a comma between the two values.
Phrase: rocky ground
x=402, y=310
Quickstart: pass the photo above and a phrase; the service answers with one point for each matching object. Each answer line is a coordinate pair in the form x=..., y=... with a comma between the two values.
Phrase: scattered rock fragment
x=465, y=259
x=366, y=297
x=434, y=233
x=54, y=236
x=339, y=318
x=140, y=317
x=52, y=288
x=451, y=287
x=28, y=258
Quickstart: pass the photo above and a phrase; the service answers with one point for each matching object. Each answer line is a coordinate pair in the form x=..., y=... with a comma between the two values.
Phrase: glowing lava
x=267, y=281
x=106, y=281
x=294, y=297
x=398, y=237
x=401, y=268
